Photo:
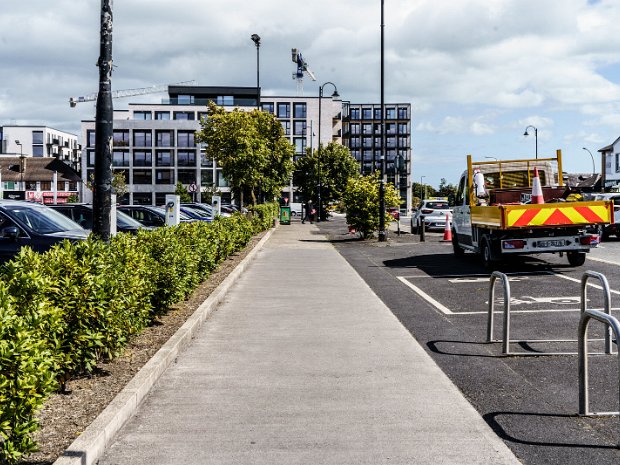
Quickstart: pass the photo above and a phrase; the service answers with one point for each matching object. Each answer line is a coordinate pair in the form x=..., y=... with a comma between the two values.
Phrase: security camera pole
x=102, y=200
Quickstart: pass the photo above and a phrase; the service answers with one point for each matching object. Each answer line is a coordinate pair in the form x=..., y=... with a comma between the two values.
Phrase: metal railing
x=506, y=341
x=612, y=324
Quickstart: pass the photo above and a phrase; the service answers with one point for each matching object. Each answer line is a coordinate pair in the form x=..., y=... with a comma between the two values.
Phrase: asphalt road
x=530, y=401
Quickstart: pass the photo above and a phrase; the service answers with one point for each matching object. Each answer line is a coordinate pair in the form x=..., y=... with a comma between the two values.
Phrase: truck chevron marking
x=561, y=215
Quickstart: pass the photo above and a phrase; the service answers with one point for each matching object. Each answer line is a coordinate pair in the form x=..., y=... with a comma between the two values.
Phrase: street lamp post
x=592, y=156
x=256, y=39
x=320, y=185
x=422, y=187
x=21, y=165
x=382, y=231
x=535, y=136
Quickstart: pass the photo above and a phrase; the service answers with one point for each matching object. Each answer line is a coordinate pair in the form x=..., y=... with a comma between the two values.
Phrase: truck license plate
x=551, y=243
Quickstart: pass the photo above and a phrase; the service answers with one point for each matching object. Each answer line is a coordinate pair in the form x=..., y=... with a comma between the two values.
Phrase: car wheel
x=576, y=258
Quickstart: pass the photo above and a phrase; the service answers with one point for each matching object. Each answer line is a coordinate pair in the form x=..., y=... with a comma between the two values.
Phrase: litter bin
x=285, y=215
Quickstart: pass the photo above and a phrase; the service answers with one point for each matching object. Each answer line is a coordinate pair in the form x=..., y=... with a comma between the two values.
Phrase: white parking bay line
x=596, y=286
x=602, y=260
x=425, y=296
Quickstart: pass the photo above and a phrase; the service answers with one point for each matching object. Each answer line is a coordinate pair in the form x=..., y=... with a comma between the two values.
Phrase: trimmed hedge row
x=63, y=312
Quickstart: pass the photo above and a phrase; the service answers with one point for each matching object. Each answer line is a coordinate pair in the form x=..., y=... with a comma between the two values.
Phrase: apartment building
x=41, y=141
x=154, y=144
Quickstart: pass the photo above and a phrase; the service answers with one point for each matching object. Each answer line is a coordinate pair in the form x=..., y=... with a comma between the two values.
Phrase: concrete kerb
x=94, y=440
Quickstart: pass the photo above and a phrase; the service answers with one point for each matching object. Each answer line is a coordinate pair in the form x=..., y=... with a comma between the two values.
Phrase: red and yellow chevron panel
x=557, y=214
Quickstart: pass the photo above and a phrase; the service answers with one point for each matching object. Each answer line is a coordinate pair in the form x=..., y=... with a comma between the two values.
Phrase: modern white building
x=610, y=165
x=40, y=141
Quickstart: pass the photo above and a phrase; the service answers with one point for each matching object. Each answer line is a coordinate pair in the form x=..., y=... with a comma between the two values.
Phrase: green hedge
x=63, y=312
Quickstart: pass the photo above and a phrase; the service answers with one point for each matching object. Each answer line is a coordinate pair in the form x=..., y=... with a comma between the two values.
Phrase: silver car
x=433, y=213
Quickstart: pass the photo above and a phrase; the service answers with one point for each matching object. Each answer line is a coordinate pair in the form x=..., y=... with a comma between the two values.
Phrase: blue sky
x=476, y=72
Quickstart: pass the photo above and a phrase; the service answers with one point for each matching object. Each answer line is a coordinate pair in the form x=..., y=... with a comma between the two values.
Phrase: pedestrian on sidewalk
x=310, y=211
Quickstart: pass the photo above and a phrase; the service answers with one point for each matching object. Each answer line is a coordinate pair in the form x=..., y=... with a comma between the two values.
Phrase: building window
x=300, y=145
x=268, y=107
x=284, y=110
x=186, y=158
x=206, y=177
x=221, y=180
x=37, y=137
x=402, y=128
x=403, y=113
x=142, y=139
x=143, y=177
x=205, y=160
x=142, y=198
x=120, y=158
x=618, y=163
x=390, y=113
x=390, y=129
x=355, y=142
x=37, y=150
x=355, y=128
x=142, y=158
x=185, y=139
x=225, y=100
x=185, y=99
x=142, y=115
x=121, y=138
x=299, y=128
x=367, y=128
x=164, y=176
x=367, y=142
x=90, y=136
x=377, y=113
x=162, y=115
x=164, y=138
x=299, y=110
x=356, y=154
x=90, y=158
x=355, y=113
x=186, y=176
x=366, y=113
x=164, y=158
x=202, y=115
x=286, y=127
x=184, y=115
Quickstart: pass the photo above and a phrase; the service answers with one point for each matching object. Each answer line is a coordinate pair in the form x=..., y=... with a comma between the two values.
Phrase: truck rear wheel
x=576, y=258
x=485, y=253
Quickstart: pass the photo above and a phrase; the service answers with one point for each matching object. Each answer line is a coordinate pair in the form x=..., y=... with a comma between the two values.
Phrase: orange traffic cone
x=537, y=193
x=447, y=232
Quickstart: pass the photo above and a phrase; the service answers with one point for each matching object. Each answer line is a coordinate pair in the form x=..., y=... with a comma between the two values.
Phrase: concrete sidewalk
x=303, y=364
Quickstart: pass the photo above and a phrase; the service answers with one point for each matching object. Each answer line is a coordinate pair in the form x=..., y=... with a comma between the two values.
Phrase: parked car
x=149, y=215
x=197, y=213
x=82, y=214
x=205, y=207
x=33, y=225
x=604, y=231
x=433, y=213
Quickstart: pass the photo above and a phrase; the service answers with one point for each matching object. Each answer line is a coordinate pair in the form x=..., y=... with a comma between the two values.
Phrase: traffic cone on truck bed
x=447, y=232
x=537, y=193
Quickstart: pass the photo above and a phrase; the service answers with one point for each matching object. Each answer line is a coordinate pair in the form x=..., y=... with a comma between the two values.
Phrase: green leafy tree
x=181, y=191
x=251, y=149
x=361, y=200
x=337, y=167
x=447, y=190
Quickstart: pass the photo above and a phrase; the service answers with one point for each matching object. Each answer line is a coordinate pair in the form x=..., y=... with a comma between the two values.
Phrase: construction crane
x=302, y=67
x=73, y=101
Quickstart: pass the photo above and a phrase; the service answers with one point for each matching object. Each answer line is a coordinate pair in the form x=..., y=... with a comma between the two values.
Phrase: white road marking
x=426, y=297
x=602, y=260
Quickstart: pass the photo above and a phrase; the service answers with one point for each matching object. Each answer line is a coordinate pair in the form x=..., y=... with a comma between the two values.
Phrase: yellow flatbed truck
x=493, y=215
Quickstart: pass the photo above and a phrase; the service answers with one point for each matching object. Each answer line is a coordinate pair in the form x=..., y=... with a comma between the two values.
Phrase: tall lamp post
x=21, y=164
x=535, y=136
x=592, y=156
x=422, y=187
x=382, y=231
x=256, y=39
x=320, y=182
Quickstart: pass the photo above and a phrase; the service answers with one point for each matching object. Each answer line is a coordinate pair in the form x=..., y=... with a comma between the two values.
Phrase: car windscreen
x=125, y=221
x=41, y=219
x=438, y=205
